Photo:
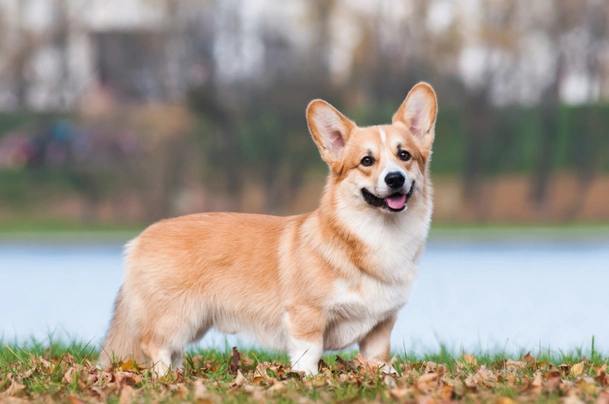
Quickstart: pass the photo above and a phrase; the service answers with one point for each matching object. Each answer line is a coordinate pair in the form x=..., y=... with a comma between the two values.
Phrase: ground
x=57, y=372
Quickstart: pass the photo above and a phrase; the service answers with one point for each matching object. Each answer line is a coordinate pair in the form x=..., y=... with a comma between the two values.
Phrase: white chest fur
x=363, y=301
x=358, y=306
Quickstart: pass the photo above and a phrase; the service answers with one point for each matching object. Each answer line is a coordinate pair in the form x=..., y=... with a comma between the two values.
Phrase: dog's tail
x=122, y=341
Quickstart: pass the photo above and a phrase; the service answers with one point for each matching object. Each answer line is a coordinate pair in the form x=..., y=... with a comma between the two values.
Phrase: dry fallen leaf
x=528, y=358
x=537, y=383
x=240, y=380
x=515, y=365
x=14, y=389
x=234, y=363
x=126, y=396
x=603, y=398
x=427, y=382
x=74, y=400
x=400, y=392
x=200, y=391
x=469, y=360
x=577, y=369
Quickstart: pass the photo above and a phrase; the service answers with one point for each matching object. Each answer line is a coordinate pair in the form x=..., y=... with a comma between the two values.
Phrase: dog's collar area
x=374, y=200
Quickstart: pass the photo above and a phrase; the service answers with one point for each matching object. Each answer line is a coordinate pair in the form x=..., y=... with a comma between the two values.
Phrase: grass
x=35, y=230
x=56, y=371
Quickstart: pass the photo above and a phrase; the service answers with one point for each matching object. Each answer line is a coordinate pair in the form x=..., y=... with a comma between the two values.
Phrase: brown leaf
x=99, y=392
x=483, y=375
x=425, y=399
x=430, y=367
x=572, y=400
x=200, y=391
x=235, y=361
x=15, y=388
x=427, y=382
x=515, y=365
x=74, y=400
x=76, y=373
x=126, y=396
x=45, y=363
x=470, y=383
x=400, y=392
x=279, y=386
x=537, y=383
x=602, y=378
x=371, y=366
x=603, y=398
x=127, y=381
x=552, y=383
x=442, y=370
x=528, y=358
x=470, y=360
x=257, y=393
x=239, y=379
x=446, y=393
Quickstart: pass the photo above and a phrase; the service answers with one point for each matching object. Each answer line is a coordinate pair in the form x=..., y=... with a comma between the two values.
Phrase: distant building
x=53, y=51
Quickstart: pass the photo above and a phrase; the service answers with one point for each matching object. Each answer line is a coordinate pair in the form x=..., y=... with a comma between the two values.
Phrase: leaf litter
x=241, y=377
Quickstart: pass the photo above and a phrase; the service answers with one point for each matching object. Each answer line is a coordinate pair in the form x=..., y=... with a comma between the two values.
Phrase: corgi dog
x=302, y=284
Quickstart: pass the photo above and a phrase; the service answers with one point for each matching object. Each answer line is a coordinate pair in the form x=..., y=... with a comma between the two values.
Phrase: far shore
x=73, y=233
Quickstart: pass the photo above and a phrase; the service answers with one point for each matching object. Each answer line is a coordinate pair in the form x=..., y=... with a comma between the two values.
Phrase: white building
x=53, y=51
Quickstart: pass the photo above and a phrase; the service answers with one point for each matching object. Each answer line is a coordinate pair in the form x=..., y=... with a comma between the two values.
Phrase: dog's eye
x=404, y=155
x=367, y=161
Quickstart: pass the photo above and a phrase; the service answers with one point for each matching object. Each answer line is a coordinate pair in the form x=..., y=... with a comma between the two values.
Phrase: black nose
x=395, y=179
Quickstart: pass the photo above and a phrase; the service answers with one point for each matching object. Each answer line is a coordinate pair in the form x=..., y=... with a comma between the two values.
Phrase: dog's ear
x=418, y=112
x=330, y=129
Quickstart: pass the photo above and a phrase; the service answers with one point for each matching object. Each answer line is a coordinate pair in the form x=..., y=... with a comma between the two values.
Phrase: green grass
x=59, y=371
x=32, y=229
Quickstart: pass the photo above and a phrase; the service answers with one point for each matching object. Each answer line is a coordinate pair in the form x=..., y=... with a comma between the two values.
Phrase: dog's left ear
x=330, y=130
x=418, y=112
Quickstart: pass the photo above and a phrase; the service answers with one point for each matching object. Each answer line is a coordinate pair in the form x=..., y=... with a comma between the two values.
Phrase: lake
x=520, y=292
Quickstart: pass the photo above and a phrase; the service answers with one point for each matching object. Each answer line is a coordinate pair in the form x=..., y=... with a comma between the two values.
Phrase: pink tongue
x=396, y=201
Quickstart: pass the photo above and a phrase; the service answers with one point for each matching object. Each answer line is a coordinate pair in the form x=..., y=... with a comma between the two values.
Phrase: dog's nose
x=395, y=179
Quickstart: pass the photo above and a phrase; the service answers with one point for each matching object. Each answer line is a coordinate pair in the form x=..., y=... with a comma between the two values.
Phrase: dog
x=304, y=284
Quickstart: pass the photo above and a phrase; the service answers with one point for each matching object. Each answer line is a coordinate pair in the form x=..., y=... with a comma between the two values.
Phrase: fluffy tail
x=122, y=341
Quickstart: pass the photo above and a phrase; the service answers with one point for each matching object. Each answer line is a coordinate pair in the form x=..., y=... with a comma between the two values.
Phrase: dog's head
x=381, y=167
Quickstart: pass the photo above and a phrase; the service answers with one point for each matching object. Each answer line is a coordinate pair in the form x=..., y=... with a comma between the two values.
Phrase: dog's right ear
x=330, y=129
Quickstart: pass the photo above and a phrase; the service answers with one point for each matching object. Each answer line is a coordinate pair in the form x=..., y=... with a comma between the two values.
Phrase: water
x=470, y=295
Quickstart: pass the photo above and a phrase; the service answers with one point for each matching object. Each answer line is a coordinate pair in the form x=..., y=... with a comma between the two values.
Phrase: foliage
x=35, y=372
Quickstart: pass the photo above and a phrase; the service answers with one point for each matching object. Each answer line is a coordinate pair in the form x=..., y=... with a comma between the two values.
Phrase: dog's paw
x=374, y=366
x=387, y=369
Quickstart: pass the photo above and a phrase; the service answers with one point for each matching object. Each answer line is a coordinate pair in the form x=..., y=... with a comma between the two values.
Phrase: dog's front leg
x=375, y=345
x=305, y=328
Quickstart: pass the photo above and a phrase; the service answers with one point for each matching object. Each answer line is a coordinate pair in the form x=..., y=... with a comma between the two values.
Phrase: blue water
x=470, y=295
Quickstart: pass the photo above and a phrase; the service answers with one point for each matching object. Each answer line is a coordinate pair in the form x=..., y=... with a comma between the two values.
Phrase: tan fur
x=298, y=283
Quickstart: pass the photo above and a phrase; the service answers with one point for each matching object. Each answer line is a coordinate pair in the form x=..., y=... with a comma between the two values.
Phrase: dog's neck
x=377, y=243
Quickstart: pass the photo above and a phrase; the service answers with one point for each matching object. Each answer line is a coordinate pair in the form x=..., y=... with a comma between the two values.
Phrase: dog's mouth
x=394, y=203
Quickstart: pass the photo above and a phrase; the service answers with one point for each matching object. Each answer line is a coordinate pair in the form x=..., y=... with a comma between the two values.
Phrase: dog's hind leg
x=164, y=342
x=160, y=358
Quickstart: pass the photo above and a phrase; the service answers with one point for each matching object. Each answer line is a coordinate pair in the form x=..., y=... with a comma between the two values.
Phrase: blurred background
x=117, y=113
x=127, y=111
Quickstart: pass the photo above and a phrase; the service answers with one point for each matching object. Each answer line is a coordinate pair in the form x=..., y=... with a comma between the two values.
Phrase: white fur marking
x=305, y=355
x=383, y=136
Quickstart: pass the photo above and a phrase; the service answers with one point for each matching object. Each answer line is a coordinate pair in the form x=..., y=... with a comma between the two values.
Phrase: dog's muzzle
x=395, y=202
